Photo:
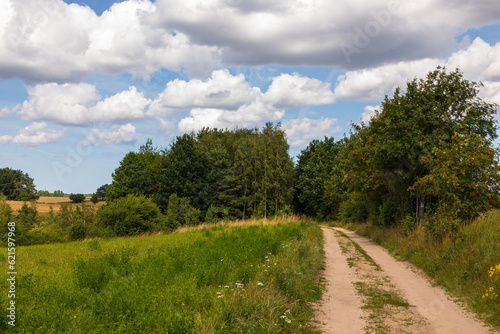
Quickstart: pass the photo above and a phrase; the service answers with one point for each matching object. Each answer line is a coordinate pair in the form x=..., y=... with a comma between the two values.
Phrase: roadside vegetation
x=468, y=267
x=259, y=279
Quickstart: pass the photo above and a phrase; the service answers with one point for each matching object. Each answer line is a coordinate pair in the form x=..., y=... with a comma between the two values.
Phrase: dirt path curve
x=441, y=314
x=340, y=311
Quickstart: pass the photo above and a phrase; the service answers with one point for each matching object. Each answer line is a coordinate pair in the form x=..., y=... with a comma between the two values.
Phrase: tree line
x=425, y=156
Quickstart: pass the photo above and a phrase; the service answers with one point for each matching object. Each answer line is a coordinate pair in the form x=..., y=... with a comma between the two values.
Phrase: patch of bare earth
x=389, y=297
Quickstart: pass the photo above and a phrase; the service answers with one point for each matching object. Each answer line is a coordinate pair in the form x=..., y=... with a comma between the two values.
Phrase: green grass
x=461, y=266
x=258, y=279
x=361, y=251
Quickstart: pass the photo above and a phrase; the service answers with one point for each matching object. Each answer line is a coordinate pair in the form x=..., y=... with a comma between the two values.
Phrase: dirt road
x=368, y=291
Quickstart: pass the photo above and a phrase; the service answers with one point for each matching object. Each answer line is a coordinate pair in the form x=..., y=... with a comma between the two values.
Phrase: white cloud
x=78, y=104
x=36, y=134
x=479, y=61
x=117, y=135
x=294, y=91
x=221, y=90
x=5, y=139
x=49, y=40
x=368, y=113
x=301, y=131
x=337, y=33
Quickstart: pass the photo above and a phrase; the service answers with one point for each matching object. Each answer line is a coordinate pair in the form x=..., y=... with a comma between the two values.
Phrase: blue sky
x=84, y=82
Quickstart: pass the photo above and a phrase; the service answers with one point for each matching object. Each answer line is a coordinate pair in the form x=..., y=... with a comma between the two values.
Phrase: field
x=44, y=203
x=221, y=279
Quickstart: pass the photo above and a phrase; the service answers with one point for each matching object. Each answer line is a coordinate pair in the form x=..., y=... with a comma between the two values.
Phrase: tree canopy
x=16, y=185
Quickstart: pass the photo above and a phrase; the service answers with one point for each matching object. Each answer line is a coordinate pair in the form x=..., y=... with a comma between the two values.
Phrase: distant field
x=44, y=203
x=243, y=279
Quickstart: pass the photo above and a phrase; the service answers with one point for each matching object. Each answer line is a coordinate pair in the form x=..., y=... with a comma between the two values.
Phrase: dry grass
x=247, y=222
x=44, y=204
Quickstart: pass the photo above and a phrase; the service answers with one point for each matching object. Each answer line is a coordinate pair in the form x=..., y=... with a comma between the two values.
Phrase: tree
x=130, y=215
x=314, y=191
x=388, y=158
x=94, y=199
x=16, y=185
x=184, y=173
x=77, y=198
x=101, y=191
x=41, y=193
x=58, y=193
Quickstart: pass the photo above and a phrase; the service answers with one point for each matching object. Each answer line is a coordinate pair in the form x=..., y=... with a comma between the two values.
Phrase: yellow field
x=44, y=203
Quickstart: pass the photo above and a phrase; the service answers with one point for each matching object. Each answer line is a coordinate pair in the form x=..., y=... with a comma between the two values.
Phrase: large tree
x=16, y=185
x=388, y=158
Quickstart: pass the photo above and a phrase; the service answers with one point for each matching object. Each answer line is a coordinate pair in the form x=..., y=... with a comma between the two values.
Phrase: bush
x=180, y=212
x=94, y=199
x=130, y=215
x=44, y=235
x=77, y=198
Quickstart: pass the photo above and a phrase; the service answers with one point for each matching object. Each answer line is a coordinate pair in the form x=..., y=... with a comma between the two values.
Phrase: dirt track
x=383, y=295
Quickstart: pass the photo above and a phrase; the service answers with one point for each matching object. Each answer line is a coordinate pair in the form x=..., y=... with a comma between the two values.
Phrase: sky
x=82, y=83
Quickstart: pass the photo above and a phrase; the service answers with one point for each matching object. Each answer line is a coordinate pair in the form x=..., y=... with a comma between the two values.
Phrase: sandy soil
x=430, y=310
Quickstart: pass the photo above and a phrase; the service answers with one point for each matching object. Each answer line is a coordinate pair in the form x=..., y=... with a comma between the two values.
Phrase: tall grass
x=239, y=279
x=461, y=266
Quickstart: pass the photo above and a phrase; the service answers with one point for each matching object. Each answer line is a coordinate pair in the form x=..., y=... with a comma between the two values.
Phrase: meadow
x=220, y=279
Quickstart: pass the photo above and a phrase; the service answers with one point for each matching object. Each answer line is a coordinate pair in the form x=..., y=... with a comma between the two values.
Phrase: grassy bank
x=238, y=279
x=462, y=266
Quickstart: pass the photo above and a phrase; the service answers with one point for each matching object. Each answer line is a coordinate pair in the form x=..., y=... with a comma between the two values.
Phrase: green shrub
x=77, y=198
x=130, y=215
x=180, y=212
x=44, y=235
x=78, y=231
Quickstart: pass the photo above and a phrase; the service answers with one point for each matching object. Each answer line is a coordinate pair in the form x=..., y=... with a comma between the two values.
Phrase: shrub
x=180, y=212
x=94, y=199
x=44, y=235
x=130, y=215
x=77, y=198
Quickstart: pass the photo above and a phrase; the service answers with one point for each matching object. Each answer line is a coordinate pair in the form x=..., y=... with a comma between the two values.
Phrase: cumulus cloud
x=293, y=91
x=49, y=40
x=117, y=135
x=338, y=33
x=79, y=104
x=221, y=90
x=35, y=134
x=479, y=61
x=301, y=131
x=5, y=139
x=225, y=100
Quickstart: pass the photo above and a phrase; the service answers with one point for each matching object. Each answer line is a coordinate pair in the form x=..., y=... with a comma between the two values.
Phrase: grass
x=461, y=266
x=361, y=251
x=221, y=279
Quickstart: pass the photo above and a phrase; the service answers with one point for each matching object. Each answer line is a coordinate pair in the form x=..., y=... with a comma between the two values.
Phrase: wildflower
x=259, y=283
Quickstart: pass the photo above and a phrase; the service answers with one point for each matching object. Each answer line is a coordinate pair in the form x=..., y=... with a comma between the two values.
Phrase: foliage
x=316, y=196
x=44, y=193
x=101, y=191
x=429, y=147
x=16, y=185
x=138, y=174
x=181, y=213
x=130, y=215
x=45, y=235
x=95, y=198
x=58, y=193
x=5, y=217
x=77, y=198
x=175, y=283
